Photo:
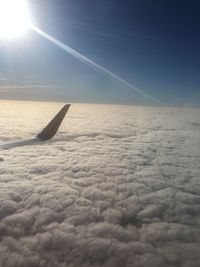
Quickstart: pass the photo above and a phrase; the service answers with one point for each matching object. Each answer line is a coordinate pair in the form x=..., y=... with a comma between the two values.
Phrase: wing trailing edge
x=46, y=134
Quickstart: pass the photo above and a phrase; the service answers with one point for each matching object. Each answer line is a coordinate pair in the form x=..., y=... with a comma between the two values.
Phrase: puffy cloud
x=118, y=186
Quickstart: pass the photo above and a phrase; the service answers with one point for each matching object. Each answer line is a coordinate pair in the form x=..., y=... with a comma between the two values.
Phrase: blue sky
x=152, y=44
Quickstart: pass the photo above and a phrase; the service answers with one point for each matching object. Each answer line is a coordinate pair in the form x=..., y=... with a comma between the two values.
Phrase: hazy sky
x=152, y=44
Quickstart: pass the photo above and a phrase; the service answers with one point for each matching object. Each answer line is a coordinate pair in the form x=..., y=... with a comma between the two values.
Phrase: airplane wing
x=47, y=133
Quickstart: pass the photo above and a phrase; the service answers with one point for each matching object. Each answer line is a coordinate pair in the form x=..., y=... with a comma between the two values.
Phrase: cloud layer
x=118, y=186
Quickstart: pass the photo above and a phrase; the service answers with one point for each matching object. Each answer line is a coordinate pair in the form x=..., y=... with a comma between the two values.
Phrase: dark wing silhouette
x=47, y=133
x=51, y=129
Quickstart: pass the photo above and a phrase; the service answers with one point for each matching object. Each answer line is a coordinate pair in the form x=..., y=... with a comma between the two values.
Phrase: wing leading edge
x=46, y=134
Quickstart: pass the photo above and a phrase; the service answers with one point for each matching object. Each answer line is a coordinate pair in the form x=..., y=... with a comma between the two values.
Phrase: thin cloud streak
x=94, y=65
x=2, y=77
x=7, y=87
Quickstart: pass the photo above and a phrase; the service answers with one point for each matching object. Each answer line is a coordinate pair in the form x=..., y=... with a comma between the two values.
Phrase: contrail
x=94, y=65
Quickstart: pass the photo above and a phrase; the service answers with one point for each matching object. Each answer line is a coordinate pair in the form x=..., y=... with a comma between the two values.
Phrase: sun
x=14, y=18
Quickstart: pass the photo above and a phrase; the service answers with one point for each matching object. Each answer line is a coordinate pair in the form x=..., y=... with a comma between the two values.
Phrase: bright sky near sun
x=136, y=41
x=14, y=18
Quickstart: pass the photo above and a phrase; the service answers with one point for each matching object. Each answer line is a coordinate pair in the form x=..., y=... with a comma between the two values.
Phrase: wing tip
x=51, y=129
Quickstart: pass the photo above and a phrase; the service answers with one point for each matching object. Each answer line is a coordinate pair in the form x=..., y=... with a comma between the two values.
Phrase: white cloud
x=118, y=186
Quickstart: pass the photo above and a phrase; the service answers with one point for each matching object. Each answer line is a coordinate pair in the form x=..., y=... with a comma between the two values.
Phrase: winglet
x=51, y=129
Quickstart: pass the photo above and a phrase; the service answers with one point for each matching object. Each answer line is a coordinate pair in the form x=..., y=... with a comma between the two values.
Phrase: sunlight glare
x=14, y=18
